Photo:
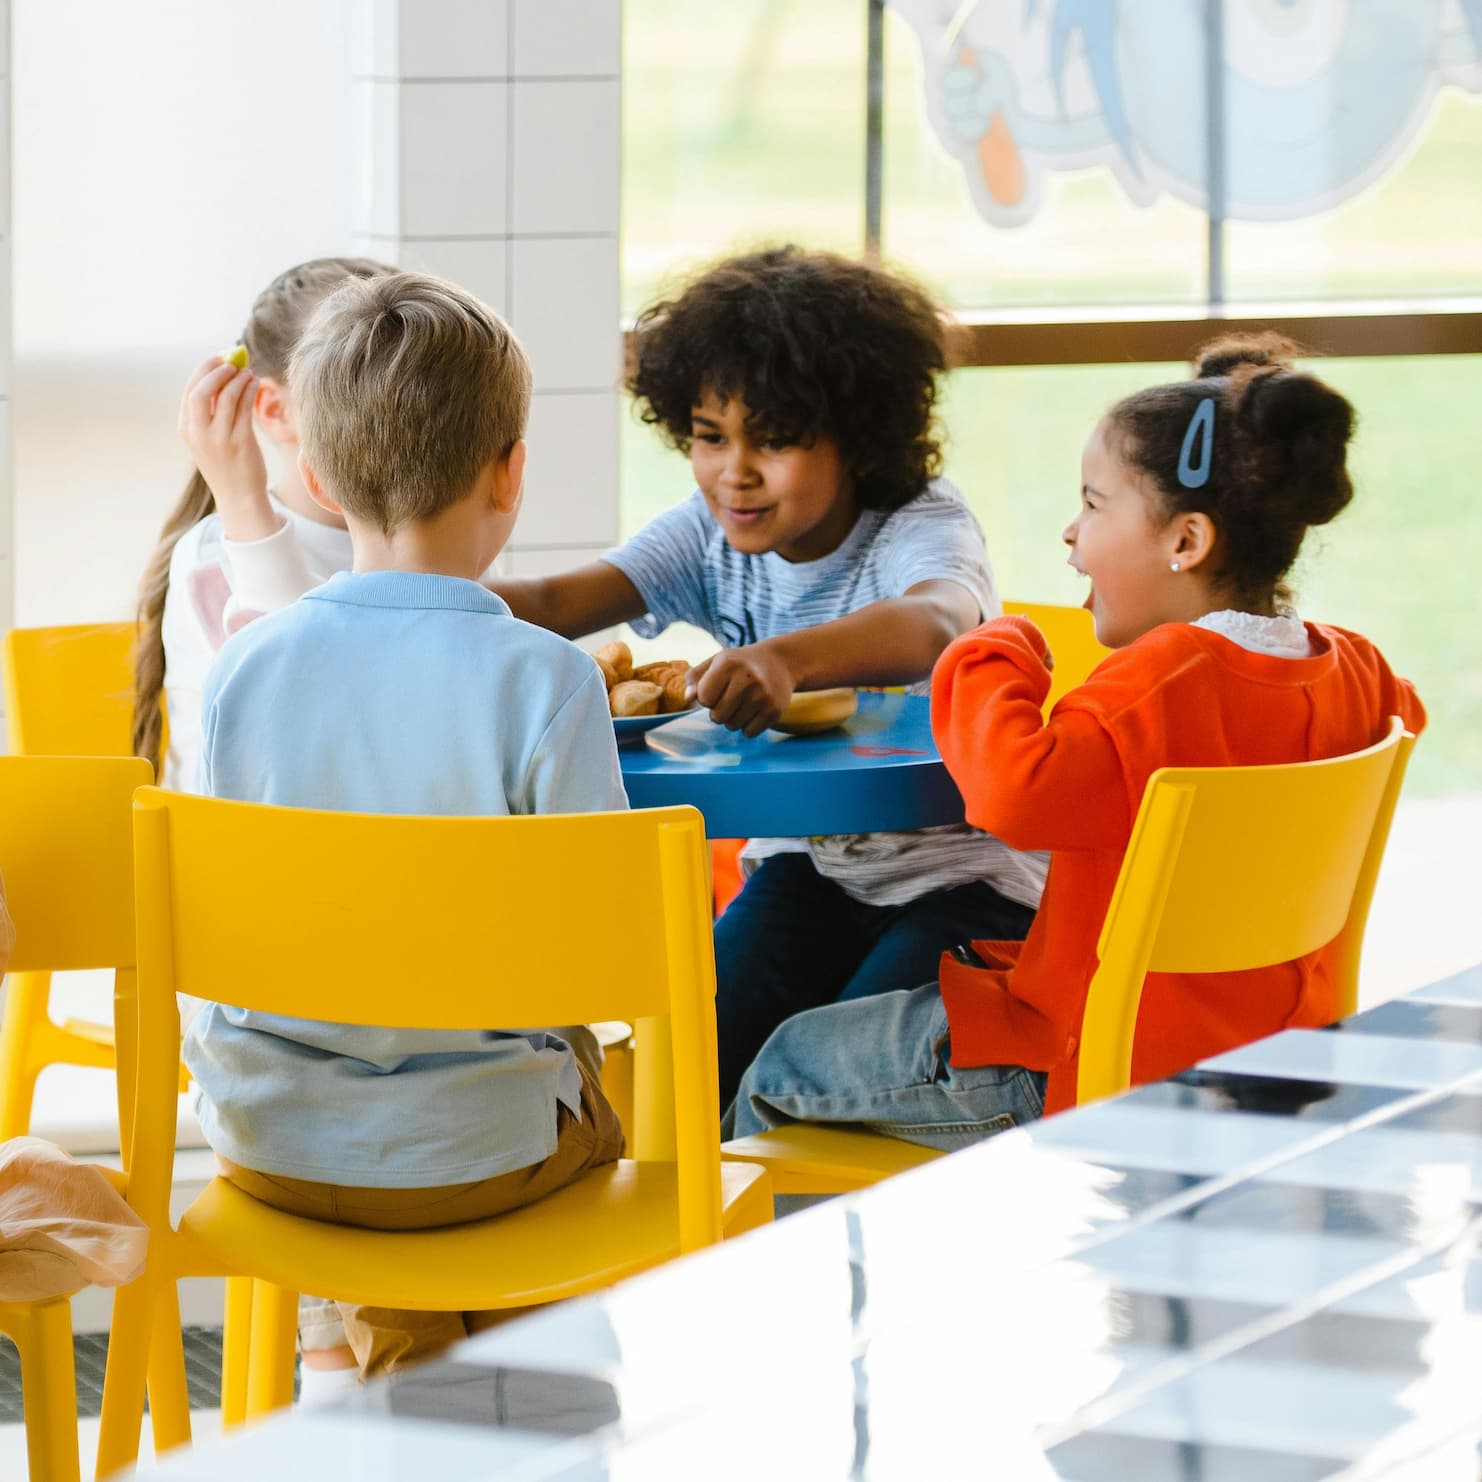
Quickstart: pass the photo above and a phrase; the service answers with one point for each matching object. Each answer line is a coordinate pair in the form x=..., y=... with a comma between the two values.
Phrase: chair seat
x=612, y=1223
x=811, y=1159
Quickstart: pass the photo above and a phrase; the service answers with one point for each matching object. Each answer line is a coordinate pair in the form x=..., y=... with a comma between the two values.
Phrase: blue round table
x=879, y=771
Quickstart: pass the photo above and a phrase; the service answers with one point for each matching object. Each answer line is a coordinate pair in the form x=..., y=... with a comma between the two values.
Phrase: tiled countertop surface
x=1268, y=1268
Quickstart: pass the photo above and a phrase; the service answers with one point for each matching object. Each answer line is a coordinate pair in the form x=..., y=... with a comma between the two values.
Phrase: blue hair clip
x=1190, y=474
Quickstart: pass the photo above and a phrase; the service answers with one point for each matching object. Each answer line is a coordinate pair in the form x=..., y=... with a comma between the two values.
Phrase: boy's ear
x=317, y=491
x=509, y=479
x=275, y=415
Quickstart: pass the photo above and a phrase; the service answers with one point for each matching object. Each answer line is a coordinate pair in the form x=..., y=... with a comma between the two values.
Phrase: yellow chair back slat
x=1231, y=868
x=261, y=899
x=70, y=691
x=1071, y=634
x=67, y=853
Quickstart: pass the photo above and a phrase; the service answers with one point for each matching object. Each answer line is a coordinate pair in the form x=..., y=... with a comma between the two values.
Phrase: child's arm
x=894, y=641
x=216, y=425
x=1032, y=782
x=574, y=769
x=575, y=603
x=266, y=566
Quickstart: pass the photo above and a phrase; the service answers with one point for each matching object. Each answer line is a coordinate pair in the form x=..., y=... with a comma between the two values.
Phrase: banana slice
x=812, y=711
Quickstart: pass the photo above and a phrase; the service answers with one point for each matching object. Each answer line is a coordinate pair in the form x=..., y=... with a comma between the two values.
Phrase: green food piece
x=237, y=357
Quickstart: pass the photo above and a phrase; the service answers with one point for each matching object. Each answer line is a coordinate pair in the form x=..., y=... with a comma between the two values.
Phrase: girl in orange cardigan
x=1195, y=497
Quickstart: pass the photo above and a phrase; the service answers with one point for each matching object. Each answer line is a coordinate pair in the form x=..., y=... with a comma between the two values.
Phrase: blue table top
x=1268, y=1267
x=878, y=772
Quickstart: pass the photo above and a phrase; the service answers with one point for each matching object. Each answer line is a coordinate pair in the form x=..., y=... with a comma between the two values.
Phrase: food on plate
x=634, y=697
x=649, y=689
x=812, y=711
x=618, y=658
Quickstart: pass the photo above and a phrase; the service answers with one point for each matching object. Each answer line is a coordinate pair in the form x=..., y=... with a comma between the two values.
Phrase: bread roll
x=662, y=672
x=676, y=695
x=619, y=656
x=634, y=697
x=609, y=674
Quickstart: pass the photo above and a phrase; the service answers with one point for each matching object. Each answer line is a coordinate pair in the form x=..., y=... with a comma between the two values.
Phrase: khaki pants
x=385, y=1339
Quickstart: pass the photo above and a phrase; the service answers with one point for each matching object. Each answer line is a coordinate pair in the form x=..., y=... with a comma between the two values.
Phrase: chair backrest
x=435, y=923
x=1230, y=868
x=1071, y=634
x=67, y=854
x=70, y=691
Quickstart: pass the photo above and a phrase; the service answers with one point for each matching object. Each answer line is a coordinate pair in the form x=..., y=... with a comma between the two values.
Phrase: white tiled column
x=7, y=490
x=490, y=155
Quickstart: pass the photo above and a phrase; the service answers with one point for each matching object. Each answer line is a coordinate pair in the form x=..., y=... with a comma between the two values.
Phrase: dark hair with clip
x=1277, y=456
x=815, y=345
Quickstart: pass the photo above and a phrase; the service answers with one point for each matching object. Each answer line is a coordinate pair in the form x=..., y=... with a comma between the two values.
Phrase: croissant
x=618, y=657
x=634, y=697
x=662, y=672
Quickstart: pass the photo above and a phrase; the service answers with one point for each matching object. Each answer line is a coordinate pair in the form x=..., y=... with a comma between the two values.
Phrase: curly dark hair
x=815, y=345
x=1278, y=462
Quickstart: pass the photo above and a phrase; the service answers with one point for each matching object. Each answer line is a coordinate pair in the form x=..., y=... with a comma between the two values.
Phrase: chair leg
x=235, y=1350
x=270, y=1362
x=169, y=1393
x=26, y=998
x=49, y=1389
x=127, y=1373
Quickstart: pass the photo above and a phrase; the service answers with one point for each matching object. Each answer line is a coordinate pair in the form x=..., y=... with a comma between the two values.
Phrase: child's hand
x=216, y=425
x=744, y=689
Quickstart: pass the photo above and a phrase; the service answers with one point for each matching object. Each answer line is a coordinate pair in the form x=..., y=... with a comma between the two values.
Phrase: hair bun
x=1306, y=426
x=1228, y=353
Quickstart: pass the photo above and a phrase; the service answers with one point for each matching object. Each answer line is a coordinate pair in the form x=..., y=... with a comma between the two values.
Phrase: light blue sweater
x=395, y=692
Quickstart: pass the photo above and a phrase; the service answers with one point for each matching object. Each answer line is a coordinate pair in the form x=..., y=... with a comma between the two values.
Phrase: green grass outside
x=730, y=139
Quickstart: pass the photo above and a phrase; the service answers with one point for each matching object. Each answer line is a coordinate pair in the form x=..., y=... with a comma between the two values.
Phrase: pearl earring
x=1173, y=565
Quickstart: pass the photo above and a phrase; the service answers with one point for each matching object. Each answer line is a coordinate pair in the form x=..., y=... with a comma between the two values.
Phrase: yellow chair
x=68, y=692
x=1231, y=868
x=330, y=949
x=814, y=1159
x=1071, y=634
x=42, y=1332
x=66, y=853
x=1304, y=841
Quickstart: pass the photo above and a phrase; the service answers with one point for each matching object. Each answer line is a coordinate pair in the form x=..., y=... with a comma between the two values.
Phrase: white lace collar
x=1283, y=636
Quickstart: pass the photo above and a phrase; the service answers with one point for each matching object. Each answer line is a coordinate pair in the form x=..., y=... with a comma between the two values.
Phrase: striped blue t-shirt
x=688, y=572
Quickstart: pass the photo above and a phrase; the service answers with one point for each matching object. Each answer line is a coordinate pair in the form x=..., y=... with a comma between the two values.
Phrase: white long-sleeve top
x=218, y=586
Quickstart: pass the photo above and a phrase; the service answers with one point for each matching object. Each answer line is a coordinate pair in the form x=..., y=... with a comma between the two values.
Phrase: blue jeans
x=793, y=940
x=882, y=1063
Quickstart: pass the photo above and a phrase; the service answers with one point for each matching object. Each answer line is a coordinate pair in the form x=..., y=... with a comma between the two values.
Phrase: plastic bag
x=63, y=1226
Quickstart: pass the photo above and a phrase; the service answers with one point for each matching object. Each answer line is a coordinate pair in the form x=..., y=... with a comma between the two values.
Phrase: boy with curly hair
x=821, y=548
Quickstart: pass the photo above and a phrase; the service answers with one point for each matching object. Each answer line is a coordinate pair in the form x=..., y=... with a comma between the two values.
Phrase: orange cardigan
x=1180, y=696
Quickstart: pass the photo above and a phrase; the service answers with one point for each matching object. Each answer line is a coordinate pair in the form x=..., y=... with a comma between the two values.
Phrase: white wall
x=170, y=157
